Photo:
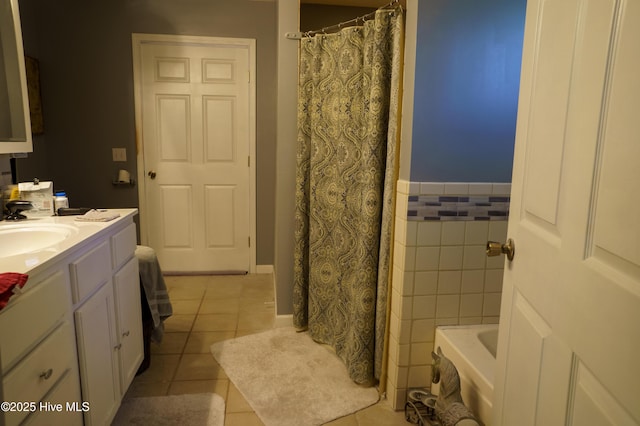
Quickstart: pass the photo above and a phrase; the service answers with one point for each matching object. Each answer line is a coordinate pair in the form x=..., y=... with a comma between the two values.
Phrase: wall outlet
x=119, y=154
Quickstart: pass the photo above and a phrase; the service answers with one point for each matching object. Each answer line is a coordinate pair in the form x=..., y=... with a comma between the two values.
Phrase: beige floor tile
x=141, y=389
x=350, y=420
x=208, y=309
x=199, y=367
x=255, y=283
x=255, y=320
x=173, y=281
x=381, y=414
x=240, y=333
x=261, y=279
x=186, y=293
x=242, y=419
x=176, y=323
x=216, y=322
x=257, y=304
x=182, y=387
x=200, y=342
x=265, y=295
x=185, y=307
x=259, y=290
x=162, y=369
x=172, y=343
x=186, y=281
x=236, y=402
x=223, y=289
x=220, y=306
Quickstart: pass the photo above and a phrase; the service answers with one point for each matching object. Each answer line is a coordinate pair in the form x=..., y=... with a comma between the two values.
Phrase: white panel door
x=570, y=321
x=197, y=118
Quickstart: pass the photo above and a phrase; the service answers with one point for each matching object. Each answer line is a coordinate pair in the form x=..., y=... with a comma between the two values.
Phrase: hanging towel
x=155, y=290
x=8, y=281
x=94, y=215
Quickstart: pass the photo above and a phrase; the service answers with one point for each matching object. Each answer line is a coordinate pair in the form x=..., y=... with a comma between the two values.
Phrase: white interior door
x=196, y=103
x=570, y=321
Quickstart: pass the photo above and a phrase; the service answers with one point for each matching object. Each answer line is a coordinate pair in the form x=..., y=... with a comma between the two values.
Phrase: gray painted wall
x=316, y=16
x=84, y=51
x=288, y=21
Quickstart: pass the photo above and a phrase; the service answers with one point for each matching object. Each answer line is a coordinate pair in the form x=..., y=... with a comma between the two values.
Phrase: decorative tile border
x=458, y=201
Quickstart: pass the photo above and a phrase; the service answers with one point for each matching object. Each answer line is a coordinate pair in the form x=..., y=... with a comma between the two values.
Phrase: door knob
x=152, y=174
x=495, y=249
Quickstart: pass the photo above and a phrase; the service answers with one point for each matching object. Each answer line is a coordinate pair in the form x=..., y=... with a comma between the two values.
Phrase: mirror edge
x=8, y=147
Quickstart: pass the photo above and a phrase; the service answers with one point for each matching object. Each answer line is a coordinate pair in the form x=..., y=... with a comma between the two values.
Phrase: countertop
x=32, y=263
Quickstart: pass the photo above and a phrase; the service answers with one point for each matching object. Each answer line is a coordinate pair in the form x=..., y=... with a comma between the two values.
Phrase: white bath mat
x=205, y=409
x=288, y=379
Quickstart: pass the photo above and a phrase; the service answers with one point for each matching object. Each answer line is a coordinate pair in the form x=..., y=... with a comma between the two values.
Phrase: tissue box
x=40, y=195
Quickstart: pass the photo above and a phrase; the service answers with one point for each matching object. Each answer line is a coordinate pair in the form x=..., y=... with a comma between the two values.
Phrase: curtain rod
x=363, y=18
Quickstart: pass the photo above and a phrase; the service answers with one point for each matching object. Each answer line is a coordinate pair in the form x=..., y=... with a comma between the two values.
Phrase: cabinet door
x=129, y=316
x=97, y=353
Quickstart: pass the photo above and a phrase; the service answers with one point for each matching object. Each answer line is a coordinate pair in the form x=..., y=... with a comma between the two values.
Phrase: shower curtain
x=348, y=135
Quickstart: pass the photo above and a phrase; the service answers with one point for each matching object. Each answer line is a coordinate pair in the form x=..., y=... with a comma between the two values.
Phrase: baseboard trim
x=283, y=321
x=264, y=269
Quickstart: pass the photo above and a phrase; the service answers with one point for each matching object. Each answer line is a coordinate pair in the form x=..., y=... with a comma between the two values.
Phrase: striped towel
x=155, y=290
x=97, y=216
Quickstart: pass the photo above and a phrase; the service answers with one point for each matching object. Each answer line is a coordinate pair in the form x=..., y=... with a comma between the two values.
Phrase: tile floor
x=208, y=309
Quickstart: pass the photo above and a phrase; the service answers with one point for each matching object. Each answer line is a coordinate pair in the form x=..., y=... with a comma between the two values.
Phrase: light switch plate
x=119, y=154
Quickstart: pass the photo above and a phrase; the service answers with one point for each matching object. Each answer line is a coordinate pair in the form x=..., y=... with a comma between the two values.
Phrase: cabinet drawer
x=89, y=271
x=123, y=245
x=66, y=393
x=34, y=376
x=29, y=317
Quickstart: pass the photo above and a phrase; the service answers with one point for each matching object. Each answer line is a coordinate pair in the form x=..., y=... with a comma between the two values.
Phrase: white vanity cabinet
x=73, y=338
x=106, y=287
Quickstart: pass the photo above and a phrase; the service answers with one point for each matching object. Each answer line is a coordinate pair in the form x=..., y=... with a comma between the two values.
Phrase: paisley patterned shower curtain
x=348, y=133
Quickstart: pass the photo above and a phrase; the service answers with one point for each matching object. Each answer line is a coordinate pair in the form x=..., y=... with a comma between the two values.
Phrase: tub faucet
x=15, y=208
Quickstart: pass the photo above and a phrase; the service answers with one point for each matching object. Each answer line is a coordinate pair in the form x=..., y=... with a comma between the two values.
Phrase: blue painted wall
x=466, y=91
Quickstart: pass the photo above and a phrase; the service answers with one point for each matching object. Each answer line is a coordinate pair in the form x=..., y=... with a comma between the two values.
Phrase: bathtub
x=472, y=349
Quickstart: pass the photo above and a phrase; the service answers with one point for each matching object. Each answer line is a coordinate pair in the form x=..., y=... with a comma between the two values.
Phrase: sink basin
x=27, y=238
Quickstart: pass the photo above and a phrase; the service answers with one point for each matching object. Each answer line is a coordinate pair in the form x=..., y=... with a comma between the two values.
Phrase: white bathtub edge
x=475, y=364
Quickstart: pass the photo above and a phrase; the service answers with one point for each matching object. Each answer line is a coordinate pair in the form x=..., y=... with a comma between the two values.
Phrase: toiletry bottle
x=60, y=200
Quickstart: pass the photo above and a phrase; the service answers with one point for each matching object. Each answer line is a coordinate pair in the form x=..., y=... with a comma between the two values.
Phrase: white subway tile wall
x=441, y=275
